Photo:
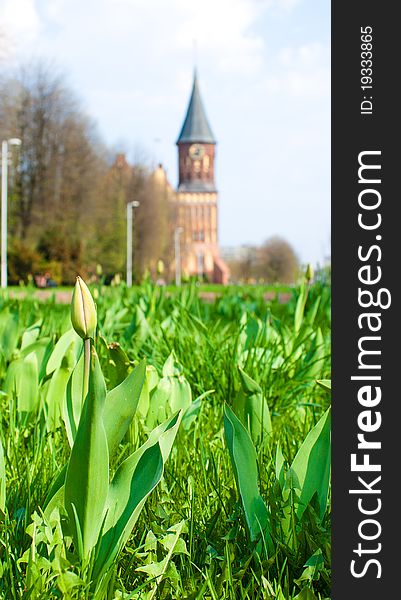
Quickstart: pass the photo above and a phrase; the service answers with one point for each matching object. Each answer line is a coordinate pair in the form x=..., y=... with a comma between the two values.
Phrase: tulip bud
x=99, y=270
x=160, y=267
x=83, y=311
x=309, y=272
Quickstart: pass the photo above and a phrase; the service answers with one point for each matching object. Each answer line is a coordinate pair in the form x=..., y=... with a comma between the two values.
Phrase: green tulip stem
x=87, y=360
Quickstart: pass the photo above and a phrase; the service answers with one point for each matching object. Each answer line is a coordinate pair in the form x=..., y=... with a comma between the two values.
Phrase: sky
x=264, y=75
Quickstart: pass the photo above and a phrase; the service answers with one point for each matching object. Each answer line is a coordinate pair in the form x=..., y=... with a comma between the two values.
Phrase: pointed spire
x=196, y=127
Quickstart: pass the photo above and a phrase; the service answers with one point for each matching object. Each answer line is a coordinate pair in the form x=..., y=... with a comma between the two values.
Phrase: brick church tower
x=196, y=195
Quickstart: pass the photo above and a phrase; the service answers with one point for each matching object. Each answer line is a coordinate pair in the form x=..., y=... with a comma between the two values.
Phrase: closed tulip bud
x=160, y=267
x=309, y=272
x=83, y=311
x=99, y=269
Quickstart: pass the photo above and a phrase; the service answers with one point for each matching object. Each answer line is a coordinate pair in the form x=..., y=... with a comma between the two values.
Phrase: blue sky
x=264, y=74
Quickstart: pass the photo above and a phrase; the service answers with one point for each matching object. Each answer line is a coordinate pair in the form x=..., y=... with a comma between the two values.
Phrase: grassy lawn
x=208, y=411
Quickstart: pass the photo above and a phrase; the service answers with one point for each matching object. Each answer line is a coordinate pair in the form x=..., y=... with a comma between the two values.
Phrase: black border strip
x=354, y=132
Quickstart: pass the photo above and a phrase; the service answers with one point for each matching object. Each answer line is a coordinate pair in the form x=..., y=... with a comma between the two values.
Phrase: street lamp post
x=177, y=252
x=200, y=259
x=4, y=205
x=130, y=219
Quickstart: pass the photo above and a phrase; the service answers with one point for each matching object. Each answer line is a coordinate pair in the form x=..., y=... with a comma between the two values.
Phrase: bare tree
x=153, y=234
x=277, y=261
x=109, y=217
x=59, y=164
x=243, y=267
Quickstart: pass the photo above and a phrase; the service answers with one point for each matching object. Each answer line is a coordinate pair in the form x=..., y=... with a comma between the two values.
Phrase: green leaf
x=30, y=335
x=22, y=380
x=9, y=332
x=171, y=368
x=193, y=410
x=121, y=404
x=55, y=397
x=2, y=480
x=151, y=381
x=69, y=339
x=72, y=406
x=134, y=480
x=316, y=560
x=243, y=459
x=312, y=312
x=280, y=475
x=41, y=350
x=166, y=567
x=87, y=478
x=305, y=594
x=325, y=384
x=315, y=359
x=251, y=408
x=249, y=386
x=300, y=306
x=310, y=470
x=67, y=580
x=172, y=394
x=118, y=364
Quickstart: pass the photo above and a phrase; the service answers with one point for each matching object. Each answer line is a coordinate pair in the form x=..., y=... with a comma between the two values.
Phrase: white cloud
x=222, y=29
x=287, y=5
x=20, y=23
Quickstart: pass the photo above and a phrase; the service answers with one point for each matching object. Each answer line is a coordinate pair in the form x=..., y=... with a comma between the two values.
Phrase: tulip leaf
x=172, y=394
x=300, y=306
x=30, y=335
x=151, y=381
x=315, y=359
x=55, y=397
x=118, y=364
x=2, y=480
x=134, y=480
x=9, y=332
x=251, y=408
x=68, y=339
x=325, y=384
x=22, y=380
x=73, y=400
x=280, y=475
x=121, y=404
x=243, y=459
x=87, y=477
x=310, y=470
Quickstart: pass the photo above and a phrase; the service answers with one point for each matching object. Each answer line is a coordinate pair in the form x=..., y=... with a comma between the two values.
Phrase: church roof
x=196, y=127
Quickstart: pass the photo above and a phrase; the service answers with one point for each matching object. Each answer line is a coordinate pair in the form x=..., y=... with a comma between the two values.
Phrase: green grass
x=203, y=287
x=214, y=558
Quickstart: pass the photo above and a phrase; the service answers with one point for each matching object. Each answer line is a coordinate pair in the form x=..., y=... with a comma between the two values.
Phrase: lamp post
x=200, y=259
x=130, y=219
x=4, y=205
x=177, y=251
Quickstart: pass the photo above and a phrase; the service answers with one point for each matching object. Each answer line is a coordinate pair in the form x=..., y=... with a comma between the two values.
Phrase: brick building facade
x=195, y=200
